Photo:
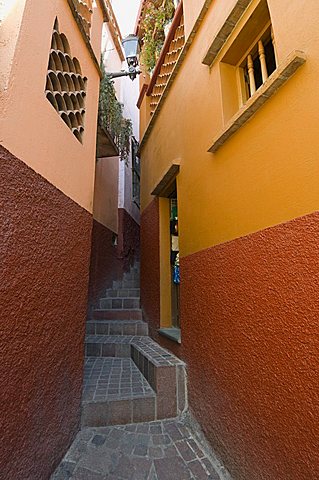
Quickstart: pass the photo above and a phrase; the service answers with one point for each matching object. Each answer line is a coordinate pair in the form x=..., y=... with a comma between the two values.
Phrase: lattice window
x=65, y=85
x=168, y=65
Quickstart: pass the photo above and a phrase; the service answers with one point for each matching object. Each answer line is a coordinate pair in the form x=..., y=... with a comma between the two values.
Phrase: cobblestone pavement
x=162, y=450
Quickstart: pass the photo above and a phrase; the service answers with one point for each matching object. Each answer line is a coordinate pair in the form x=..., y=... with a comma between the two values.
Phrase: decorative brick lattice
x=84, y=11
x=65, y=86
x=168, y=65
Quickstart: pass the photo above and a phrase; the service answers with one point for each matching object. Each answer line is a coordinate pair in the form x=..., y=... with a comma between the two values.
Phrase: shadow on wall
x=45, y=253
x=109, y=261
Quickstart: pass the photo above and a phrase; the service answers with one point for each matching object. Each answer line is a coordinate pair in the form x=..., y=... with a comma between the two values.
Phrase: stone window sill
x=172, y=333
x=279, y=77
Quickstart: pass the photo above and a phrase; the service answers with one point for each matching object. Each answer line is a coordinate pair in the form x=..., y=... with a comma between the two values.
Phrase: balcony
x=107, y=141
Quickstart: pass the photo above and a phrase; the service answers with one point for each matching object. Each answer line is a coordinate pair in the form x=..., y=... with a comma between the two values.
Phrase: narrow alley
x=159, y=250
x=135, y=420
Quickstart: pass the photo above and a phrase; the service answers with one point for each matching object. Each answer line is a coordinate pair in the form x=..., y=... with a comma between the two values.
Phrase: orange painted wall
x=42, y=131
x=106, y=192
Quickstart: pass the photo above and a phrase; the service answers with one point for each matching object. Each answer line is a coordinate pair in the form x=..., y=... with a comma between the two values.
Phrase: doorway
x=174, y=258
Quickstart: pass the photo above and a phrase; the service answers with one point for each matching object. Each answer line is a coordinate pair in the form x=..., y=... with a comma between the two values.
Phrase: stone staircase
x=128, y=377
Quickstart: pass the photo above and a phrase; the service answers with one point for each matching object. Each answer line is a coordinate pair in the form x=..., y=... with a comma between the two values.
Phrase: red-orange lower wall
x=250, y=332
x=109, y=262
x=150, y=265
x=44, y=251
x=105, y=265
x=128, y=239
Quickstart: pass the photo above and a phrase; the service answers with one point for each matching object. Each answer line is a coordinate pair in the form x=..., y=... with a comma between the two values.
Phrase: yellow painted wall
x=268, y=172
x=29, y=126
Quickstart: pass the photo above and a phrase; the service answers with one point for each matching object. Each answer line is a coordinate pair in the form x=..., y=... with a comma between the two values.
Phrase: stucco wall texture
x=44, y=250
x=105, y=265
x=150, y=265
x=109, y=262
x=250, y=338
x=129, y=238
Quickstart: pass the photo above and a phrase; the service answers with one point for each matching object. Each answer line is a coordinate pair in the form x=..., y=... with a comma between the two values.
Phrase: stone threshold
x=278, y=78
x=171, y=333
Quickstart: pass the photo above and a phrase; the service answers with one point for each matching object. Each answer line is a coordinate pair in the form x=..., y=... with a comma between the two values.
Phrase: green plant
x=111, y=115
x=153, y=27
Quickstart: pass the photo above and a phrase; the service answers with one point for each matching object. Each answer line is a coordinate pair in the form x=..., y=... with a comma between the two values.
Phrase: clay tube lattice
x=65, y=86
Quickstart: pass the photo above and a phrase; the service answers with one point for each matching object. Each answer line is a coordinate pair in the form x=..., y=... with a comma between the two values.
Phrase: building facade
x=49, y=88
x=229, y=196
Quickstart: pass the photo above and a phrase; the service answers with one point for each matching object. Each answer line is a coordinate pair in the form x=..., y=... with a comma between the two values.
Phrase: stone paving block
x=115, y=328
x=137, y=452
x=142, y=329
x=156, y=429
x=92, y=350
x=161, y=439
x=95, y=414
x=86, y=474
x=102, y=328
x=198, y=470
x=142, y=428
x=173, y=431
x=140, y=450
x=108, y=350
x=124, y=468
x=133, y=293
x=141, y=468
x=111, y=293
x=185, y=450
x=64, y=471
x=120, y=411
x=156, y=452
x=90, y=328
x=172, y=468
x=144, y=409
x=166, y=392
x=98, y=440
x=99, y=461
x=194, y=446
x=106, y=303
x=116, y=303
x=210, y=468
x=181, y=388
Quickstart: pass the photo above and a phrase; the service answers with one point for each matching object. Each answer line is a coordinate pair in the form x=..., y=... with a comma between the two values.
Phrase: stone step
x=165, y=373
x=124, y=284
x=115, y=392
x=131, y=276
x=123, y=293
x=116, y=327
x=121, y=314
x=119, y=303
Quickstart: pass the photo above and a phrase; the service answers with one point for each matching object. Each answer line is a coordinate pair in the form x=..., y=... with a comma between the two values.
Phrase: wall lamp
x=132, y=49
